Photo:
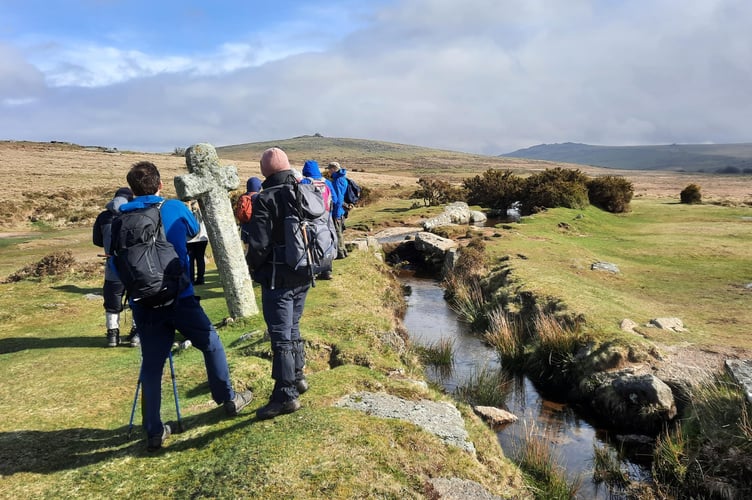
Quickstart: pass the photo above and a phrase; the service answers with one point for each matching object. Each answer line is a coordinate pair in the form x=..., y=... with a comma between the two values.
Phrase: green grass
x=688, y=261
x=66, y=402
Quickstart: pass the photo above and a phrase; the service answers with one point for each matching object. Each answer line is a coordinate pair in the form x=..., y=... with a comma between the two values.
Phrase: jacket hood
x=114, y=204
x=253, y=185
x=141, y=202
x=311, y=169
x=339, y=173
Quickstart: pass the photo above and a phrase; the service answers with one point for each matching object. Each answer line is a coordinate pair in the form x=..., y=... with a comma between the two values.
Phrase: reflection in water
x=572, y=439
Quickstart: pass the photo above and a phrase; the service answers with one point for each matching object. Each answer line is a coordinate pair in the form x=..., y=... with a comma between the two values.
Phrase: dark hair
x=143, y=178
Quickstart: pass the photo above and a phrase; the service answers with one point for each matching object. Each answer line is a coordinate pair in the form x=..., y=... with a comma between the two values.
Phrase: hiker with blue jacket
x=283, y=290
x=157, y=325
x=339, y=181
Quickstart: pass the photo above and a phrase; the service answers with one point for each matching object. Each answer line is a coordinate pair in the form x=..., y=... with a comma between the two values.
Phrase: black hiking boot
x=301, y=385
x=154, y=443
x=275, y=408
x=113, y=337
x=240, y=401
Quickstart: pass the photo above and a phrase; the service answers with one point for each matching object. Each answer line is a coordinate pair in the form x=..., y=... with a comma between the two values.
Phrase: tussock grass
x=439, y=353
x=486, y=387
x=536, y=459
x=607, y=469
x=506, y=335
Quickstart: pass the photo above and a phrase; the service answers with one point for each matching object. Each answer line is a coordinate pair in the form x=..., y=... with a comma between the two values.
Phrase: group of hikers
x=283, y=289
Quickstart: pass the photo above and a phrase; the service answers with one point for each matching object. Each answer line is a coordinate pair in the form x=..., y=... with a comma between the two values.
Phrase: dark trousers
x=282, y=309
x=113, y=296
x=196, y=252
x=157, y=328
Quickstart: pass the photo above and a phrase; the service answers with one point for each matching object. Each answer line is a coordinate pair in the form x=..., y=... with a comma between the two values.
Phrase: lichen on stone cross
x=208, y=182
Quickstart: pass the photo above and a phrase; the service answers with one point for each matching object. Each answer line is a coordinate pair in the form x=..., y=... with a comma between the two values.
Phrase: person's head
x=143, y=178
x=124, y=192
x=311, y=169
x=332, y=167
x=274, y=160
x=253, y=185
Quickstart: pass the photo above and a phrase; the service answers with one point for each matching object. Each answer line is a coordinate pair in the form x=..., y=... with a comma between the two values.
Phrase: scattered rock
x=93, y=296
x=605, y=266
x=673, y=324
x=439, y=418
x=454, y=488
x=627, y=325
x=741, y=371
x=454, y=213
x=494, y=416
x=632, y=402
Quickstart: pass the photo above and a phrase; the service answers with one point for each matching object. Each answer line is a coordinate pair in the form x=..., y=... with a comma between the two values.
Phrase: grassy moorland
x=66, y=400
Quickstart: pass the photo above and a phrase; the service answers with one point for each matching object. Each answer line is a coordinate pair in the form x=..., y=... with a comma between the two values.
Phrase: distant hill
x=710, y=158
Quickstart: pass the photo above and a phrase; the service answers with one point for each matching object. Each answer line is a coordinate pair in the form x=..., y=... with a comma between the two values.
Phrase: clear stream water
x=572, y=439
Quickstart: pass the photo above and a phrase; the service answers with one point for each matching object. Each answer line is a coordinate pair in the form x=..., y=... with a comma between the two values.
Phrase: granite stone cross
x=208, y=182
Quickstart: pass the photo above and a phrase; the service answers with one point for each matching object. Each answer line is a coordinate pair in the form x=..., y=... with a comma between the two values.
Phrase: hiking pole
x=175, y=392
x=135, y=400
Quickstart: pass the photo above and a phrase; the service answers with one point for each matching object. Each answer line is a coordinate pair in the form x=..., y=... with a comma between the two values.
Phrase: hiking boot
x=326, y=275
x=240, y=401
x=135, y=340
x=274, y=408
x=113, y=337
x=301, y=385
x=154, y=443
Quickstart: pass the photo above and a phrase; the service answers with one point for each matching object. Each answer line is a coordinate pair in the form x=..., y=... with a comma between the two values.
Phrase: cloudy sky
x=481, y=76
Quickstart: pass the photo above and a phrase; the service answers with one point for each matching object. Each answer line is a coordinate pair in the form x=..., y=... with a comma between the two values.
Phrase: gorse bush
x=610, y=193
x=494, y=189
x=435, y=192
x=556, y=187
x=691, y=194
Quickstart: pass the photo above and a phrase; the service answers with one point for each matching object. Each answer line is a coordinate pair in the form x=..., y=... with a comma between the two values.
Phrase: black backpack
x=352, y=193
x=310, y=237
x=146, y=262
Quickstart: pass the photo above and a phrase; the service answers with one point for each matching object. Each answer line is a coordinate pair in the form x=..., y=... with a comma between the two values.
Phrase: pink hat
x=274, y=160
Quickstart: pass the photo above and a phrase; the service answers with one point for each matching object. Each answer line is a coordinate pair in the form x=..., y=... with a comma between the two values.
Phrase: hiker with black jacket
x=157, y=325
x=113, y=289
x=283, y=290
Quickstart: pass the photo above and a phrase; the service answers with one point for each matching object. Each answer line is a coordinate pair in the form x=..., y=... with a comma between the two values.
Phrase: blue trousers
x=157, y=329
x=282, y=309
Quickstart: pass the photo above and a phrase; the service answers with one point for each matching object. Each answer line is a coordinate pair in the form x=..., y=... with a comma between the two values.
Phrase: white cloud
x=485, y=76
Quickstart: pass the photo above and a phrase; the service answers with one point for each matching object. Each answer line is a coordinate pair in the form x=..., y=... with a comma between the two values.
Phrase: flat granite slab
x=741, y=371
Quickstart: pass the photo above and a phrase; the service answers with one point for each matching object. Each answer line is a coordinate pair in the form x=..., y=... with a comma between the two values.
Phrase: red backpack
x=244, y=208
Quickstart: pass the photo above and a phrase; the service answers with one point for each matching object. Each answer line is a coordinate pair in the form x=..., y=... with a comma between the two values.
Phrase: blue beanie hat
x=311, y=169
x=253, y=185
